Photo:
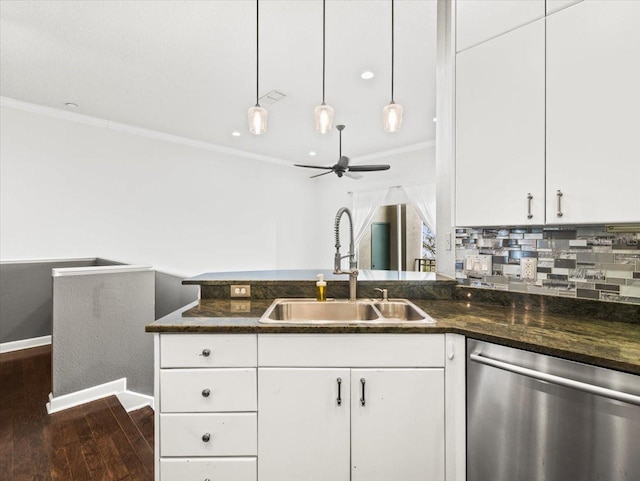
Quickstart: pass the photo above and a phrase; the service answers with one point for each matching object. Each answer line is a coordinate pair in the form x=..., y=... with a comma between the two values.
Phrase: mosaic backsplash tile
x=581, y=262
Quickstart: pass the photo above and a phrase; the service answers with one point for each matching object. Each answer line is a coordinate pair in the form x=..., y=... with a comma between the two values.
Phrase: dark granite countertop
x=585, y=339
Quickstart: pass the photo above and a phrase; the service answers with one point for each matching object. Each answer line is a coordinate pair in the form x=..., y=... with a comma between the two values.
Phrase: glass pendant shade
x=392, y=117
x=324, y=118
x=257, y=120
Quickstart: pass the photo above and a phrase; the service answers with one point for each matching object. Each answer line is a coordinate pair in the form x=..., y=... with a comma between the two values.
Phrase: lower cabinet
x=303, y=427
x=351, y=424
x=297, y=407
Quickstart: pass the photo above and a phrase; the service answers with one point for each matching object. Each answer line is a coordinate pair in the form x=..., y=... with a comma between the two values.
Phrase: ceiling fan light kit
x=323, y=113
x=392, y=113
x=257, y=116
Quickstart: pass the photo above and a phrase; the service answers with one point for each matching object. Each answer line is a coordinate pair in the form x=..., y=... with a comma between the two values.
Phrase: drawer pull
x=206, y=352
x=339, y=400
x=206, y=437
x=362, y=399
x=206, y=392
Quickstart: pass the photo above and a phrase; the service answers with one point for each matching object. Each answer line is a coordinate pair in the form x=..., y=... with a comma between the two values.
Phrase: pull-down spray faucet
x=353, y=264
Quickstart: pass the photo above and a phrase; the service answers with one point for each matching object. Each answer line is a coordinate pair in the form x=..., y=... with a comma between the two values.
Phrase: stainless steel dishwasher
x=536, y=417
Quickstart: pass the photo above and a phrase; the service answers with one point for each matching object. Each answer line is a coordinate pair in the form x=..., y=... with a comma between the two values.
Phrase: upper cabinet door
x=500, y=98
x=478, y=21
x=593, y=121
x=555, y=5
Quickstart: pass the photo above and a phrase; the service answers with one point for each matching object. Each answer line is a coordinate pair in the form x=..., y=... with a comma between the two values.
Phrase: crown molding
x=133, y=130
x=393, y=152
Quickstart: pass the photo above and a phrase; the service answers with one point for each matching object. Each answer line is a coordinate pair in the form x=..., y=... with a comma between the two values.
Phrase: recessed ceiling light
x=71, y=105
x=435, y=119
x=312, y=153
x=235, y=133
x=367, y=75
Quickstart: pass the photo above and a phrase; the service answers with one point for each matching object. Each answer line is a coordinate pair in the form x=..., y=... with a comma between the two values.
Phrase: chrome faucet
x=353, y=264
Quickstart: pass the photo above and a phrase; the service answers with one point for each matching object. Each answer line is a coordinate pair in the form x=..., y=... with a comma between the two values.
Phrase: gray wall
x=26, y=295
x=98, y=331
x=171, y=295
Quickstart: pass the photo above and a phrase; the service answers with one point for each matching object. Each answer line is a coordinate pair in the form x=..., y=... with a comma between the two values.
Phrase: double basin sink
x=309, y=311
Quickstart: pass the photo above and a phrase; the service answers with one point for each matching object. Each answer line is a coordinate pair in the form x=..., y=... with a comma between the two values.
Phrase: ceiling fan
x=343, y=167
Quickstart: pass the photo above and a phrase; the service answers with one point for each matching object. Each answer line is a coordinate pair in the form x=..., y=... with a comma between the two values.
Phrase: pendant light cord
x=323, y=45
x=392, y=48
x=257, y=53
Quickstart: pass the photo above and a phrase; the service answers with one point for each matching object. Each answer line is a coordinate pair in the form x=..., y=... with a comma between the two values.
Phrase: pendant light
x=392, y=113
x=323, y=113
x=257, y=115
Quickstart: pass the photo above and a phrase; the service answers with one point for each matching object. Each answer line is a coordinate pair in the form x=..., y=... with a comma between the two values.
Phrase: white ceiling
x=188, y=68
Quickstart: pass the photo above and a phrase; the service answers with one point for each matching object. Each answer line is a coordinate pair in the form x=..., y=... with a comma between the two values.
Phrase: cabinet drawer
x=234, y=469
x=207, y=350
x=229, y=434
x=351, y=350
x=208, y=390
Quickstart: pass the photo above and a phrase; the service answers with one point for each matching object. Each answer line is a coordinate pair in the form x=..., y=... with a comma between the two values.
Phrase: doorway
x=381, y=246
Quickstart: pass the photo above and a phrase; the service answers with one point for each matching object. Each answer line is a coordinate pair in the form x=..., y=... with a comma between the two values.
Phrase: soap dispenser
x=321, y=288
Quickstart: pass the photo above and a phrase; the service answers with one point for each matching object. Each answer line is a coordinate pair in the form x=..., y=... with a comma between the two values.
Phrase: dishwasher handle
x=559, y=380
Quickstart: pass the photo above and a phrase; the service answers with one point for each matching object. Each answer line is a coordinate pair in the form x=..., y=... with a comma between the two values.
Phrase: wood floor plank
x=92, y=457
x=144, y=419
x=8, y=378
x=75, y=459
x=141, y=448
x=101, y=423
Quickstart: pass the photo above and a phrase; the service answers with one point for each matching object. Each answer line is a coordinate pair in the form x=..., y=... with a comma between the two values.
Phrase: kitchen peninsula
x=309, y=397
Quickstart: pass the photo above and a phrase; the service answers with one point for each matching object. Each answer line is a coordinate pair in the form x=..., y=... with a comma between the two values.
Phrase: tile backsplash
x=580, y=262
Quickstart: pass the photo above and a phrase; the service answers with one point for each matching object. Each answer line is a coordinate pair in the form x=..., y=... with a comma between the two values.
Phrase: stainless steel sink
x=309, y=311
x=401, y=310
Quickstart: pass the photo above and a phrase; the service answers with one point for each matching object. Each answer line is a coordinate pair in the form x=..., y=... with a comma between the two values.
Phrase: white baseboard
x=130, y=400
x=24, y=344
x=73, y=399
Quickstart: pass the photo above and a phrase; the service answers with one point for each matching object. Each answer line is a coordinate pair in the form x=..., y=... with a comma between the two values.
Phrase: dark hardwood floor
x=93, y=442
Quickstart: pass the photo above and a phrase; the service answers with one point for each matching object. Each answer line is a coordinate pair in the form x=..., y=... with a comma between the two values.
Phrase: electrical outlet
x=241, y=291
x=240, y=306
x=528, y=268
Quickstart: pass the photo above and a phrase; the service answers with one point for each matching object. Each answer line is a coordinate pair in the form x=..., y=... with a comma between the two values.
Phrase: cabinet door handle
x=206, y=437
x=206, y=392
x=362, y=399
x=559, y=194
x=206, y=352
x=529, y=199
x=339, y=400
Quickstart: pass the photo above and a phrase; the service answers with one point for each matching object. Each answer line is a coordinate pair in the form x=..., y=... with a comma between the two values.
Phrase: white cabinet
x=309, y=407
x=303, y=431
x=206, y=402
x=397, y=424
x=478, y=21
x=500, y=130
x=360, y=424
x=593, y=105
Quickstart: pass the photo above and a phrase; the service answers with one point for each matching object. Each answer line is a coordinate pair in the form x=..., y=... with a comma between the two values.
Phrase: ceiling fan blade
x=313, y=166
x=368, y=168
x=343, y=162
x=351, y=175
x=318, y=175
